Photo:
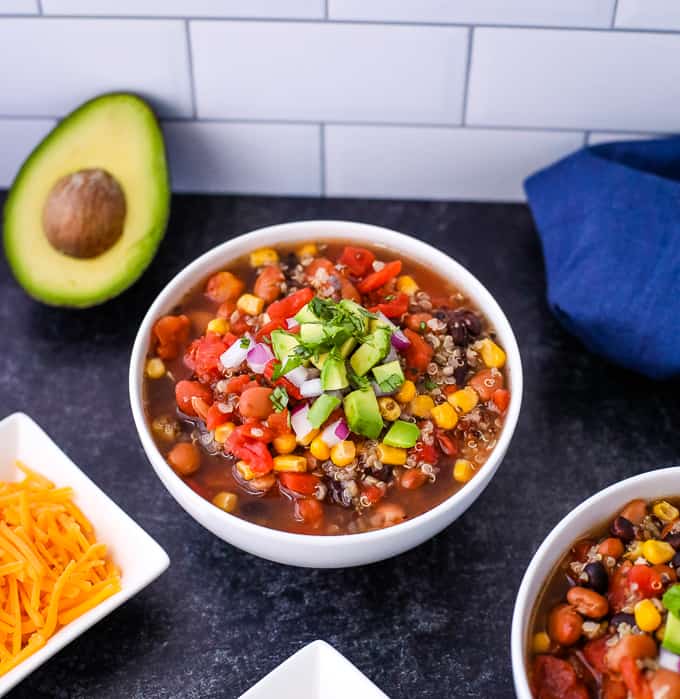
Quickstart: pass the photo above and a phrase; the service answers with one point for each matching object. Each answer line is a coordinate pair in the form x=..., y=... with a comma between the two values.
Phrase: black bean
x=335, y=490
x=598, y=579
x=460, y=374
x=472, y=323
x=458, y=332
x=622, y=618
x=383, y=474
x=675, y=562
x=623, y=528
x=673, y=538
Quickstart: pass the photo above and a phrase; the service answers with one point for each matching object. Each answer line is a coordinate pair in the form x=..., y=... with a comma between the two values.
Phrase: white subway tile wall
x=430, y=99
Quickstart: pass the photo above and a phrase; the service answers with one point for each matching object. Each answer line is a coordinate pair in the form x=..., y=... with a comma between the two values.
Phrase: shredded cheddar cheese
x=52, y=569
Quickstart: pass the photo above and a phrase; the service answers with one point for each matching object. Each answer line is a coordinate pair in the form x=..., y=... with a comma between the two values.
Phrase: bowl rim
x=325, y=230
x=524, y=603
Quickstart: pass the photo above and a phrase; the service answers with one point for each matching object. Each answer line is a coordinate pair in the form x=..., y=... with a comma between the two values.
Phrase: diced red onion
x=298, y=408
x=299, y=421
x=391, y=356
x=311, y=388
x=235, y=355
x=669, y=660
x=258, y=356
x=399, y=340
x=291, y=322
x=297, y=376
x=335, y=433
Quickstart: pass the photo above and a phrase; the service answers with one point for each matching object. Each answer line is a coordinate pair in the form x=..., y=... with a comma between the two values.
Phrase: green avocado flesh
x=116, y=133
x=402, y=434
x=362, y=413
x=671, y=637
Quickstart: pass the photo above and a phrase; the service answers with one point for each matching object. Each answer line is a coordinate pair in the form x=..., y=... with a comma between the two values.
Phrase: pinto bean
x=635, y=511
x=268, y=283
x=612, y=547
x=414, y=321
x=564, y=625
x=588, y=602
x=412, y=479
x=184, y=458
x=631, y=646
x=254, y=402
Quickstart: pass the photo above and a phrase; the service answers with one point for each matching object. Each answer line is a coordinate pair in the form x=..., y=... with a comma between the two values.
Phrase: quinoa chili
x=326, y=389
x=607, y=625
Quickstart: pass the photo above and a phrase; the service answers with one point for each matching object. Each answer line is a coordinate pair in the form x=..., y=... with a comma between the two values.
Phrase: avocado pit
x=84, y=213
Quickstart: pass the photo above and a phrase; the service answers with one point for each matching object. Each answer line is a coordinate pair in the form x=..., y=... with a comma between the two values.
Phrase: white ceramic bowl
x=301, y=549
x=139, y=557
x=589, y=515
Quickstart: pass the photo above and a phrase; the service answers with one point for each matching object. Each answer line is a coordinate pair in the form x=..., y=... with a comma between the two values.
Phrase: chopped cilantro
x=391, y=383
x=279, y=398
x=356, y=380
x=671, y=600
x=294, y=360
x=423, y=326
x=430, y=384
x=245, y=342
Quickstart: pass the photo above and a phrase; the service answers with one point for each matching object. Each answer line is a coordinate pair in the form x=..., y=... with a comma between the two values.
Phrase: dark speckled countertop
x=434, y=622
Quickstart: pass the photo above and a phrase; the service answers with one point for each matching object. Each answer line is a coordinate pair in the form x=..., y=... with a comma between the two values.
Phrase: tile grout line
x=586, y=137
x=40, y=7
x=468, y=68
x=326, y=9
x=322, y=157
x=614, y=12
x=190, y=59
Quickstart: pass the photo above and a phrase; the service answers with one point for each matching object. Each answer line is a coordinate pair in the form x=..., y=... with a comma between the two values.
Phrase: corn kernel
x=263, y=256
x=407, y=285
x=665, y=511
x=464, y=400
x=307, y=438
x=540, y=642
x=657, y=552
x=285, y=443
x=250, y=305
x=463, y=470
x=421, y=406
x=290, y=462
x=394, y=456
x=219, y=326
x=660, y=633
x=155, y=368
x=226, y=501
x=307, y=250
x=343, y=453
x=492, y=355
x=223, y=431
x=389, y=408
x=634, y=552
x=445, y=416
x=647, y=617
x=407, y=392
x=320, y=449
x=244, y=470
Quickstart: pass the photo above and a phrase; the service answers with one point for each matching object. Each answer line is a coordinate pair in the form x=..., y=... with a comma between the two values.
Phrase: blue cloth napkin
x=609, y=220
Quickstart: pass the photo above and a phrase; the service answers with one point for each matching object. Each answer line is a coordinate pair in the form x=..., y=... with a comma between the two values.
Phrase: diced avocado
x=312, y=334
x=371, y=352
x=362, y=413
x=322, y=407
x=306, y=315
x=380, y=323
x=283, y=343
x=347, y=347
x=671, y=636
x=389, y=376
x=318, y=362
x=402, y=434
x=88, y=208
x=333, y=374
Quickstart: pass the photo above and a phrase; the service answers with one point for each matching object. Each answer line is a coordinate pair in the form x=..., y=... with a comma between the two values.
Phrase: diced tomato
x=267, y=329
x=186, y=390
x=291, y=389
x=171, y=333
x=446, y=444
x=257, y=431
x=309, y=511
x=648, y=580
x=289, y=306
x=486, y=382
x=255, y=454
x=595, y=653
x=320, y=263
x=634, y=679
x=395, y=308
x=238, y=383
x=377, y=279
x=216, y=417
x=501, y=398
x=224, y=286
x=426, y=452
x=419, y=352
x=359, y=261
x=302, y=483
x=618, y=587
x=372, y=493
x=278, y=422
x=203, y=357
x=226, y=309
x=613, y=688
x=553, y=678
x=239, y=326
x=348, y=290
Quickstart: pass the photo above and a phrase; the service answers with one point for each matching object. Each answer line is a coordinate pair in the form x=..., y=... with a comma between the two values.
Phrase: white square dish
x=317, y=671
x=140, y=559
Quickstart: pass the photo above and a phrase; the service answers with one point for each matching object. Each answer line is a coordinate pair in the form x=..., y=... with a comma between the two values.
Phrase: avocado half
x=89, y=207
